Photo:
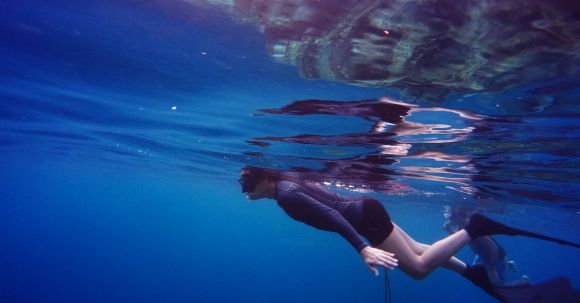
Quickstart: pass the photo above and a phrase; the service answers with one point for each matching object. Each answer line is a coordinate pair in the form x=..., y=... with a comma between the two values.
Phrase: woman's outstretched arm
x=304, y=208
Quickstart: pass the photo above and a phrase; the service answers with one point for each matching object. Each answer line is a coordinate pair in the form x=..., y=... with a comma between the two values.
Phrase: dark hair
x=252, y=176
x=260, y=174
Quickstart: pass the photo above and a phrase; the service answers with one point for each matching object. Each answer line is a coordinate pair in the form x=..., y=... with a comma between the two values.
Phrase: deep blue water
x=124, y=125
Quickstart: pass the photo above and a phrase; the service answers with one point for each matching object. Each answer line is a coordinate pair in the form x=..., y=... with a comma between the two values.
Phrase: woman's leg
x=417, y=265
x=452, y=263
x=488, y=251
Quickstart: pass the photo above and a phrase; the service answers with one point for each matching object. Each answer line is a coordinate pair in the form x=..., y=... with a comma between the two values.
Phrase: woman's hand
x=374, y=256
x=512, y=265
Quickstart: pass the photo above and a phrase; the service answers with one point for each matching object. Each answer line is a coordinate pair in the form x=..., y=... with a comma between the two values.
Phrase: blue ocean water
x=124, y=125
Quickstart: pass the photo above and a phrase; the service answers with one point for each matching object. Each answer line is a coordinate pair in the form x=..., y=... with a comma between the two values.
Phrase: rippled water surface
x=162, y=102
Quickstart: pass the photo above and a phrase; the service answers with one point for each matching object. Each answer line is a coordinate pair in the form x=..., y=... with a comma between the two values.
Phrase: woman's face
x=248, y=181
x=254, y=188
x=262, y=190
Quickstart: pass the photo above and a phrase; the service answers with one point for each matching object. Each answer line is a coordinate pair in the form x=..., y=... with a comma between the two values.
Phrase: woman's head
x=457, y=215
x=258, y=182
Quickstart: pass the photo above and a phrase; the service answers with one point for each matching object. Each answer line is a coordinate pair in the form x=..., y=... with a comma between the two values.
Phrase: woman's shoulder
x=286, y=192
x=289, y=188
x=307, y=187
x=287, y=185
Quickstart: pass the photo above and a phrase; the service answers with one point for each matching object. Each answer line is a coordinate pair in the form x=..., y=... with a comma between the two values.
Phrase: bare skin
x=452, y=263
x=418, y=261
x=415, y=259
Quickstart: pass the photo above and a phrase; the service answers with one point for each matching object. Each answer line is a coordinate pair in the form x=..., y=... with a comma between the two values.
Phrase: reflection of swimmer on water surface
x=488, y=251
x=383, y=109
x=389, y=117
x=404, y=127
x=390, y=120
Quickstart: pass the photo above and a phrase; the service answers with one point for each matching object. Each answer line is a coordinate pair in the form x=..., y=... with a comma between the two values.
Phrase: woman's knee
x=410, y=261
x=419, y=275
x=418, y=271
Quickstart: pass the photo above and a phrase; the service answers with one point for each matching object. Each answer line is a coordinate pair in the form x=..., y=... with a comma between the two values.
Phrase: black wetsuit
x=352, y=218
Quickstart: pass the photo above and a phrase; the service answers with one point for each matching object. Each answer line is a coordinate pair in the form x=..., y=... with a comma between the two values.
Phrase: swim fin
x=480, y=225
x=477, y=274
x=557, y=290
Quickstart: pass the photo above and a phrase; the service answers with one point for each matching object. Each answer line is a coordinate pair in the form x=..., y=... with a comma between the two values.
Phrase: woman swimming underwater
x=367, y=226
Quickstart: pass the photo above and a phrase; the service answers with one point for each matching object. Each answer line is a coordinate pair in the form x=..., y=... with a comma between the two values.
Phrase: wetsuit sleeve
x=304, y=208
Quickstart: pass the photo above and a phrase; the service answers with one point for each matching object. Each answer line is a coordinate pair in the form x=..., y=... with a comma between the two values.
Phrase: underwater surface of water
x=124, y=125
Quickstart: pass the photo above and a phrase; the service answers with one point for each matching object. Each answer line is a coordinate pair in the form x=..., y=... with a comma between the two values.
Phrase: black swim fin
x=477, y=274
x=557, y=290
x=480, y=225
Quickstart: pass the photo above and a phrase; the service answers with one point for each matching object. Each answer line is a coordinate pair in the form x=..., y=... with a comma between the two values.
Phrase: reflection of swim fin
x=557, y=290
x=480, y=225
